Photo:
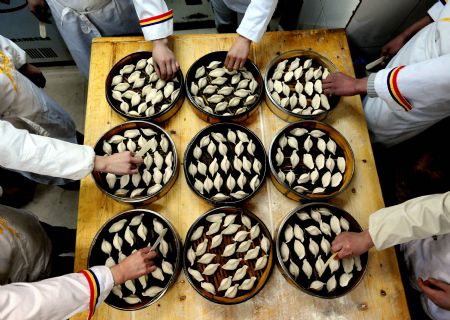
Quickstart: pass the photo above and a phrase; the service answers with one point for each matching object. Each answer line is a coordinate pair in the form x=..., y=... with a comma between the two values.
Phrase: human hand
x=340, y=84
x=392, y=47
x=165, y=63
x=34, y=74
x=134, y=266
x=40, y=10
x=237, y=56
x=437, y=291
x=118, y=163
x=348, y=244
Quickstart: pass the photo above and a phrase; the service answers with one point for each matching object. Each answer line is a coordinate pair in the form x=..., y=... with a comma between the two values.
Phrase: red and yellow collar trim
x=394, y=91
x=94, y=289
x=156, y=19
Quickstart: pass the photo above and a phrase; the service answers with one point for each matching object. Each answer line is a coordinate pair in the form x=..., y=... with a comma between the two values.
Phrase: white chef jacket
x=28, y=107
x=80, y=21
x=412, y=224
x=156, y=19
x=23, y=151
x=414, y=89
x=56, y=298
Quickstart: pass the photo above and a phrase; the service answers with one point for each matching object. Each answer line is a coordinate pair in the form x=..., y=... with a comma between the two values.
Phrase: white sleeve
x=23, y=151
x=415, y=219
x=13, y=51
x=56, y=298
x=256, y=18
x=435, y=11
x=155, y=18
x=422, y=83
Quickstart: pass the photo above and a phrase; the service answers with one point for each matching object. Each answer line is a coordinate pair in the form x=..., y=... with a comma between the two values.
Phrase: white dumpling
x=240, y=236
x=158, y=274
x=117, y=226
x=335, y=225
x=298, y=233
x=197, y=233
x=345, y=279
x=129, y=236
x=247, y=284
x=317, y=285
x=229, y=250
x=265, y=244
x=231, y=229
x=225, y=284
x=152, y=291
x=299, y=249
x=211, y=269
x=216, y=241
x=255, y=231
x=261, y=263
x=206, y=258
x=325, y=246
x=288, y=233
x=294, y=270
x=231, y=291
x=209, y=287
x=167, y=267
x=196, y=275
x=244, y=246
x=201, y=248
x=191, y=255
x=106, y=247
x=214, y=228
x=348, y=264
x=240, y=273
x=331, y=283
x=284, y=250
x=231, y=264
x=117, y=242
x=313, y=247
x=252, y=253
x=306, y=268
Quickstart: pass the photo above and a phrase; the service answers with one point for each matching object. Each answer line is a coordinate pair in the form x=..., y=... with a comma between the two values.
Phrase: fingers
x=231, y=62
x=162, y=71
x=136, y=160
x=236, y=64
x=429, y=292
x=439, y=284
x=227, y=62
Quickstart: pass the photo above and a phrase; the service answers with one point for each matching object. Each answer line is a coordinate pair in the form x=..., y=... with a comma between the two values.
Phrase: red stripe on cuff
x=163, y=15
x=397, y=90
x=91, y=291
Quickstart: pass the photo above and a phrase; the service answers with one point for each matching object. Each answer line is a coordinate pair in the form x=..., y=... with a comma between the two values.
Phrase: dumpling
x=231, y=264
x=209, y=287
x=247, y=284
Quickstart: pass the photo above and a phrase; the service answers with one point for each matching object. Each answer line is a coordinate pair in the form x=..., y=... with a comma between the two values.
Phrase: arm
x=23, y=151
x=253, y=25
x=156, y=21
x=75, y=292
x=414, y=219
x=401, y=87
x=393, y=46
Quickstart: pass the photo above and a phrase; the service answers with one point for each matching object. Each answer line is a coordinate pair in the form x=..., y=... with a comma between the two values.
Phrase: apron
x=25, y=247
x=429, y=258
x=79, y=22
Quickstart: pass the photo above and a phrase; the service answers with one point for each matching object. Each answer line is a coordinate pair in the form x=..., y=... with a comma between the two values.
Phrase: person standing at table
x=157, y=24
x=413, y=92
x=422, y=228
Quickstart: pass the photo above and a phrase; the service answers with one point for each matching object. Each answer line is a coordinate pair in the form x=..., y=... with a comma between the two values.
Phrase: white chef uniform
x=157, y=20
x=414, y=89
x=23, y=151
x=27, y=106
x=416, y=221
x=80, y=21
x=56, y=298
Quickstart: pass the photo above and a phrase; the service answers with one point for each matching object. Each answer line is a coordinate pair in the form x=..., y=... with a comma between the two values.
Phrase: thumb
x=438, y=283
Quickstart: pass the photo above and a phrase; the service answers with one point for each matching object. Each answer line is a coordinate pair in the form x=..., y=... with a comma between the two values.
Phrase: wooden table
x=379, y=296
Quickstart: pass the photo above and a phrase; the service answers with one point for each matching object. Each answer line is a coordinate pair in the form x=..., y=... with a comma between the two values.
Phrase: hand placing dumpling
x=136, y=265
x=119, y=163
x=348, y=244
x=237, y=56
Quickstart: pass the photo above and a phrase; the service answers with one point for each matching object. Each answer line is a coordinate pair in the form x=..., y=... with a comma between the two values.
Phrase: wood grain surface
x=379, y=296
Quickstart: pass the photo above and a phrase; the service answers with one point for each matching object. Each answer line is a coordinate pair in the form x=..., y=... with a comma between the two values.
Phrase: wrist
x=361, y=86
x=367, y=240
x=243, y=39
x=117, y=274
x=100, y=163
x=160, y=42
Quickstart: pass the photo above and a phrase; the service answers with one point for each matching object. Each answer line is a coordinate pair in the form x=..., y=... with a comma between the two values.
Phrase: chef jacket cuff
x=249, y=34
x=386, y=87
x=371, y=92
x=157, y=31
x=435, y=11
